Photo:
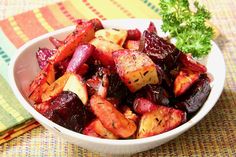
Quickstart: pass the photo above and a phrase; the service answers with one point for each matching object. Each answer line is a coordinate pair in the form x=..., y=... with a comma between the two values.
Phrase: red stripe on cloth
x=49, y=17
x=11, y=34
x=129, y=14
x=65, y=12
x=30, y=25
x=94, y=10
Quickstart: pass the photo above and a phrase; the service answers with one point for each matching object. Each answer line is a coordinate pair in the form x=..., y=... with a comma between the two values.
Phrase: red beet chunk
x=152, y=28
x=196, y=96
x=188, y=61
x=43, y=55
x=68, y=111
x=133, y=34
x=156, y=94
x=159, y=50
x=142, y=106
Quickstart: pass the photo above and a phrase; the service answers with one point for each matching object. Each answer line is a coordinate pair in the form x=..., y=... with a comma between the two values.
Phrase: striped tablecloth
x=215, y=135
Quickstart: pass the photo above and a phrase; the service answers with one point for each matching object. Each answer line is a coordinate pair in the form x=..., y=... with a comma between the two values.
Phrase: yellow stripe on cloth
x=61, y=18
x=17, y=29
x=42, y=20
x=113, y=11
x=80, y=6
x=73, y=11
x=139, y=8
x=11, y=110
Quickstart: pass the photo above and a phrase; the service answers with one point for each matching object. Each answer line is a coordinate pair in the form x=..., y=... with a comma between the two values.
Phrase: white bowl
x=23, y=68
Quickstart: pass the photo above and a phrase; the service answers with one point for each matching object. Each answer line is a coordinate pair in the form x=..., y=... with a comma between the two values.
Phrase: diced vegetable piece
x=184, y=80
x=135, y=69
x=41, y=82
x=159, y=50
x=104, y=51
x=142, y=106
x=75, y=84
x=160, y=120
x=114, y=35
x=80, y=56
x=132, y=44
x=192, y=100
x=111, y=118
x=133, y=34
x=55, y=88
x=43, y=55
x=83, y=35
x=68, y=111
x=188, y=61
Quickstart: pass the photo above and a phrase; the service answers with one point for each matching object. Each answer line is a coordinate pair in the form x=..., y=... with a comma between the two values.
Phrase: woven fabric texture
x=215, y=135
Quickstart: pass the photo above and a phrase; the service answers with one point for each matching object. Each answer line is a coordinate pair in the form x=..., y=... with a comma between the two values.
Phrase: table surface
x=209, y=138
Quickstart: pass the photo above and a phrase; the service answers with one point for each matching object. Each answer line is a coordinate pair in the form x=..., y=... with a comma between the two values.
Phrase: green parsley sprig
x=188, y=27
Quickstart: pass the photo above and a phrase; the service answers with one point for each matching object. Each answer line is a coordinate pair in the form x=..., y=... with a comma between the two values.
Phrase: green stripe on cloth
x=7, y=45
x=151, y=5
x=7, y=50
x=4, y=56
x=11, y=112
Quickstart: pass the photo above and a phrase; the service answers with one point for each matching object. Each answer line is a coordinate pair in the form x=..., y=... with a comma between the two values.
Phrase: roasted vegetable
x=67, y=110
x=84, y=34
x=135, y=69
x=111, y=118
x=195, y=97
x=160, y=120
x=43, y=55
x=188, y=61
x=80, y=56
x=104, y=51
x=142, y=106
x=159, y=50
x=41, y=82
x=184, y=80
x=116, y=36
x=117, y=84
x=152, y=28
x=55, y=88
x=75, y=84
x=133, y=34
